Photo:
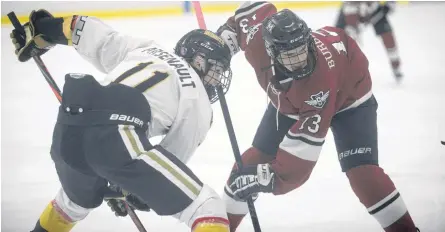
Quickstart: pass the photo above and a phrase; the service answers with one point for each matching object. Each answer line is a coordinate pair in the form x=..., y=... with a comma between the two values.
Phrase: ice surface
x=410, y=116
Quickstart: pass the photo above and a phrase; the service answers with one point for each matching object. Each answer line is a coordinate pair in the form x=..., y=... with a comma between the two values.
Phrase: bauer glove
x=228, y=34
x=251, y=180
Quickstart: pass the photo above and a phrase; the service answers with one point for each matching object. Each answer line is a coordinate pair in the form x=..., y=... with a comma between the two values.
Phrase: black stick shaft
x=237, y=154
x=15, y=22
x=134, y=217
x=18, y=26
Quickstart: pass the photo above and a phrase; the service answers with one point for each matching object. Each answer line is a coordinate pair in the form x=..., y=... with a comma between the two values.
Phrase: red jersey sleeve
x=247, y=24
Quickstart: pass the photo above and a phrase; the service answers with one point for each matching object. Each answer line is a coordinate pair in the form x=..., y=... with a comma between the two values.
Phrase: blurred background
x=411, y=118
x=114, y=9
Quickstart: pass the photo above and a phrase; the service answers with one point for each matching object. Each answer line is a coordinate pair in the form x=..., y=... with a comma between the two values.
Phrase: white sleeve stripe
x=393, y=54
x=301, y=149
x=305, y=137
x=391, y=213
x=358, y=102
x=305, y=140
x=383, y=201
x=296, y=117
x=248, y=9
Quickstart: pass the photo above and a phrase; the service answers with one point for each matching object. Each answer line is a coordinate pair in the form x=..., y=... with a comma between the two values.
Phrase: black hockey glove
x=251, y=180
x=117, y=199
x=32, y=43
x=117, y=206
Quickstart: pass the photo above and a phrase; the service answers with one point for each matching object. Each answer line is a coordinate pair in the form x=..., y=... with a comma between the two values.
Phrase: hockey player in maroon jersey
x=352, y=14
x=316, y=80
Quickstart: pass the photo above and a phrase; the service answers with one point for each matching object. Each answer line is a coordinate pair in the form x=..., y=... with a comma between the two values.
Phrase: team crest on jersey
x=251, y=32
x=318, y=100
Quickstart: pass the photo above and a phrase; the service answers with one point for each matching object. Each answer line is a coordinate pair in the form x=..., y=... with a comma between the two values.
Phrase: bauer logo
x=355, y=151
x=125, y=118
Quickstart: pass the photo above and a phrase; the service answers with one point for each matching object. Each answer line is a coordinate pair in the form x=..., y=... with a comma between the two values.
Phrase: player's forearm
x=94, y=40
x=70, y=30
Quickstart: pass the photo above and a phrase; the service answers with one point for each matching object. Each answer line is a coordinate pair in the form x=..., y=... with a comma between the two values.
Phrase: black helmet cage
x=206, y=46
x=285, y=31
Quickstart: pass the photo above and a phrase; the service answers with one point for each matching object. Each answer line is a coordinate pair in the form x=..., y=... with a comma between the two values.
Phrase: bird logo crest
x=318, y=100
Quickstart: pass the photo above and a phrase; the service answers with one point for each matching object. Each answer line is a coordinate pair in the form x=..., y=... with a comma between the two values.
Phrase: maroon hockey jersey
x=340, y=81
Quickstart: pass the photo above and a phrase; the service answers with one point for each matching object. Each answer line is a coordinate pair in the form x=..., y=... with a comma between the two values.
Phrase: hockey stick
x=18, y=26
x=134, y=217
x=119, y=196
x=229, y=125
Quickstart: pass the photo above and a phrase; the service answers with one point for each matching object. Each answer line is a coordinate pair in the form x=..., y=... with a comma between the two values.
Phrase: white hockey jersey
x=180, y=108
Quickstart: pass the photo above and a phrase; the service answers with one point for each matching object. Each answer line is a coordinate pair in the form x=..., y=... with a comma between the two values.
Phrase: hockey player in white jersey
x=102, y=130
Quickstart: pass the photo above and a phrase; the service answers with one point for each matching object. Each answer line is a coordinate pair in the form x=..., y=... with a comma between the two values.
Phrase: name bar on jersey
x=175, y=62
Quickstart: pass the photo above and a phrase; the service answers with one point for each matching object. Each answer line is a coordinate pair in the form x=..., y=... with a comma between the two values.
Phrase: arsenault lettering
x=181, y=69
